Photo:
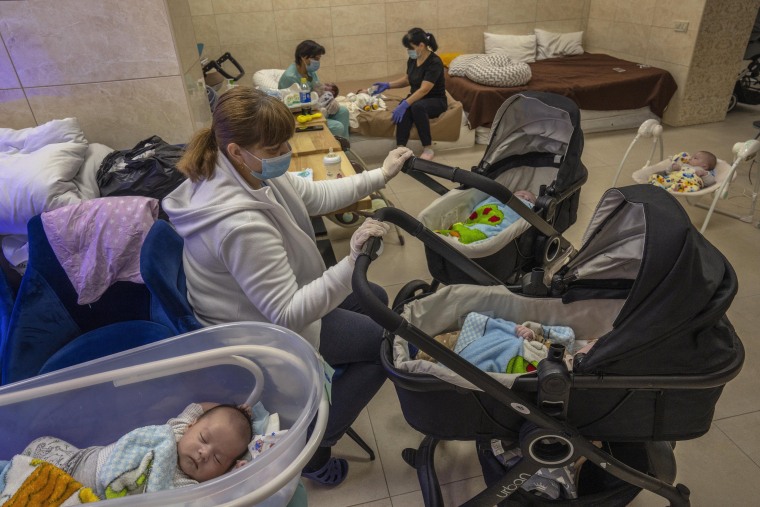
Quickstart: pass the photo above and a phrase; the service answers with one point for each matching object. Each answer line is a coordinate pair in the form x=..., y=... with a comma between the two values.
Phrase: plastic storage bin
x=97, y=402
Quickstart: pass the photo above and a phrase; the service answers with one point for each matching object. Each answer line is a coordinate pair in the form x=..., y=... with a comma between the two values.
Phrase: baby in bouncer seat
x=687, y=173
x=204, y=442
x=488, y=219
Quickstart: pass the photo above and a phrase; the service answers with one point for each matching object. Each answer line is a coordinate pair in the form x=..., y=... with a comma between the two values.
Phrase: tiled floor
x=720, y=468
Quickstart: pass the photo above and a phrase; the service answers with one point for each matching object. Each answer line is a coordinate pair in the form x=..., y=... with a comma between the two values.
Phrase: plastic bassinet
x=535, y=144
x=97, y=402
x=652, y=292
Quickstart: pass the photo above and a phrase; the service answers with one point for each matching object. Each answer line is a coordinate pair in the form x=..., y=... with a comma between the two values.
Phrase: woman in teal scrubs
x=308, y=53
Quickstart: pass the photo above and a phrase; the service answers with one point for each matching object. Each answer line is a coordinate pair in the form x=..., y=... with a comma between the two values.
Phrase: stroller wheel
x=411, y=290
x=348, y=220
x=732, y=101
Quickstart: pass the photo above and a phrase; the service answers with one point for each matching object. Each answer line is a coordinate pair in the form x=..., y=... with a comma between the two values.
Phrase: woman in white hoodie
x=250, y=252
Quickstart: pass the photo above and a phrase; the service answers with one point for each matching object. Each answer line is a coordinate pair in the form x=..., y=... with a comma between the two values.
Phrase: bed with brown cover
x=594, y=81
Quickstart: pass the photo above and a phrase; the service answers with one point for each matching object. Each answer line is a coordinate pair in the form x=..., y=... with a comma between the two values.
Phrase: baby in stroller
x=203, y=442
x=488, y=218
x=687, y=173
x=502, y=346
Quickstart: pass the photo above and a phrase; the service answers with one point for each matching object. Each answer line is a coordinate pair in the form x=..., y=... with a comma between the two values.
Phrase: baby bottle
x=332, y=163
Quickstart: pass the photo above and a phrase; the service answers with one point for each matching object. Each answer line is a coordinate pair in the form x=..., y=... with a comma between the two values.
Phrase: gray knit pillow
x=458, y=65
x=497, y=70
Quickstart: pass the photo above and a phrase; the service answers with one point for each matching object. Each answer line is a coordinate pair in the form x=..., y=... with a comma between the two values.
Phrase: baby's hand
x=700, y=172
x=675, y=166
x=524, y=333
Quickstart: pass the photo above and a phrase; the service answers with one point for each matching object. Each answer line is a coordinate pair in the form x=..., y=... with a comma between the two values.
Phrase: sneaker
x=427, y=154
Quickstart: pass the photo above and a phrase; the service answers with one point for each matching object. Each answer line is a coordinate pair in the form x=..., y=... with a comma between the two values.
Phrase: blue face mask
x=272, y=167
x=313, y=66
x=412, y=54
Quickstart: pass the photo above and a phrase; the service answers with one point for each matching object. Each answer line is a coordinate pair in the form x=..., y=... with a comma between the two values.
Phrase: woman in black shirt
x=427, y=97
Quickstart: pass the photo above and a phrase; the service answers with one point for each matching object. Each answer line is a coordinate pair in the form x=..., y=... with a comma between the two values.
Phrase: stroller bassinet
x=97, y=402
x=652, y=292
x=536, y=144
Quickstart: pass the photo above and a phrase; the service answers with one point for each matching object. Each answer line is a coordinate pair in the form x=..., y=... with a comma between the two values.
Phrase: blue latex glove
x=398, y=113
x=380, y=87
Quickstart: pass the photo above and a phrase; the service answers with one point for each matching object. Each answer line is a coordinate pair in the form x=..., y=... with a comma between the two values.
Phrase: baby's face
x=210, y=446
x=699, y=159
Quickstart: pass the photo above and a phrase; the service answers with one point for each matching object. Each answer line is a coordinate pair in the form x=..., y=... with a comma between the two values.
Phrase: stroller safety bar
x=162, y=368
x=394, y=323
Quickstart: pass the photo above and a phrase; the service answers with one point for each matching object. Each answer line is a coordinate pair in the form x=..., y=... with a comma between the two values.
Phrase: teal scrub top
x=291, y=75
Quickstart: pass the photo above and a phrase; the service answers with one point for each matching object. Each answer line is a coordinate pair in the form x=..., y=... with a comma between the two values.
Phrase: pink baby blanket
x=98, y=241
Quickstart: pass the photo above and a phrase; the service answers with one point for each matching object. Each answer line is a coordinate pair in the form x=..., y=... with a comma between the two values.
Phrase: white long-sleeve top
x=251, y=255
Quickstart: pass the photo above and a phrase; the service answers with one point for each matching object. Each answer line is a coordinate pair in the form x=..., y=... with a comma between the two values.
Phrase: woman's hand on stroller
x=395, y=161
x=370, y=227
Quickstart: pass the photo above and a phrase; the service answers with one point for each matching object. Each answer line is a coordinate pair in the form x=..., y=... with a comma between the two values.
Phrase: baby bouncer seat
x=725, y=173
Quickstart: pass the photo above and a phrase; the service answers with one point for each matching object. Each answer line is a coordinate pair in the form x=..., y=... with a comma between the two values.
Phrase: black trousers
x=418, y=115
x=350, y=342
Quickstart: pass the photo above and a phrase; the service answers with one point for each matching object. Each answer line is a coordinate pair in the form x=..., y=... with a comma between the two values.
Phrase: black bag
x=148, y=169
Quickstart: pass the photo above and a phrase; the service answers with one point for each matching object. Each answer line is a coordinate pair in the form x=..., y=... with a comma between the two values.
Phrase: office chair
x=48, y=329
x=7, y=296
x=163, y=274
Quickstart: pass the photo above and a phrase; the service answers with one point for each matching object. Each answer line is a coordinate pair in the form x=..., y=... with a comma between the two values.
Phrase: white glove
x=395, y=161
x=369, y=228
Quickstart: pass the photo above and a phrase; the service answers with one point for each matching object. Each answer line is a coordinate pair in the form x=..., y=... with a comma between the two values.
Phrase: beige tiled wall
x=113, y=66
x=704, y=60
x=363, y=37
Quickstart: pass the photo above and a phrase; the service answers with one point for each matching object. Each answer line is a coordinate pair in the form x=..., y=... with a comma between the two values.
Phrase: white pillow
x=33, y=138
x=520, y=48
x=37, y=177
x=550, y=44
x=86, y=179
x=267, y=78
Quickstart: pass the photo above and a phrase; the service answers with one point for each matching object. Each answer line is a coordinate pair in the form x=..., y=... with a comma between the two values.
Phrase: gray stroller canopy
x=530, y=124
x=673, y=320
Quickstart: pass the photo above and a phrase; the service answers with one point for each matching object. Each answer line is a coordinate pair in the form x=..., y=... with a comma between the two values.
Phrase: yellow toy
x=303, y=118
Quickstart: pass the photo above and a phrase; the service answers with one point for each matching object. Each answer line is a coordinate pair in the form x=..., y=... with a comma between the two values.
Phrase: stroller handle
x=488, y=186
x=217, y=65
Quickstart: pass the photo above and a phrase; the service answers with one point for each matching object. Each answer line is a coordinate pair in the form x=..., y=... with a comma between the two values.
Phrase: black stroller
x=747, y=86
x=646, y=286
x=535, y=144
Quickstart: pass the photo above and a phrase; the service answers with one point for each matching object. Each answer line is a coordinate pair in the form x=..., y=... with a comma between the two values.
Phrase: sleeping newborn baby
x=204, y=442
x=687, y=173
x=488, y=219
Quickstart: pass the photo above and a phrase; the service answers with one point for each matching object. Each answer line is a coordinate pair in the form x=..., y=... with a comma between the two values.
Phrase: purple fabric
x=98, y=241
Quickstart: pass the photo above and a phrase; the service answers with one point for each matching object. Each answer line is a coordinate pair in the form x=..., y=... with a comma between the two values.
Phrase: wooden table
x=301, y=161
x=315, y=141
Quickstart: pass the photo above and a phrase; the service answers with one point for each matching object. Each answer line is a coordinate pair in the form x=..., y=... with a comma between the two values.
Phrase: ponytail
x=243, y=116
x=431, y=43
x=417, y=36
x=199, y=159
